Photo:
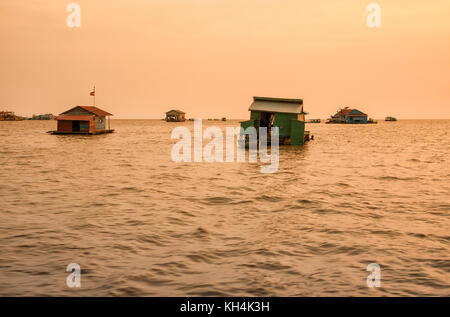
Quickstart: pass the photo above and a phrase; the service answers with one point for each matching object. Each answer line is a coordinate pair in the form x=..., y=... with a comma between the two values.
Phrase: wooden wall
x=92, y=126
x=100, y=123
x=64, y=126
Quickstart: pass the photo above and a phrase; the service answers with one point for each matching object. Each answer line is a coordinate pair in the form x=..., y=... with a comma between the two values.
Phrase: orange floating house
x=84, y=120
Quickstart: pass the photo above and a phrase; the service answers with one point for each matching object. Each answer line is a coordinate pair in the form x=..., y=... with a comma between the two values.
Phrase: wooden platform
x=307, y=136
x=82, y=133
x=354, y=123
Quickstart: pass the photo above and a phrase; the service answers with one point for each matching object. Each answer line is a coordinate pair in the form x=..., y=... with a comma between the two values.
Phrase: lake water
x=140, y=224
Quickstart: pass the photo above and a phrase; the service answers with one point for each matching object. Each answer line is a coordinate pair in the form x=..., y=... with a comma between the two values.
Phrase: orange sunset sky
x=209, y=57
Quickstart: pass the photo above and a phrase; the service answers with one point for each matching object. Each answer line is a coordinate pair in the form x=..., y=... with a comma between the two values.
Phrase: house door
x=75, y=126
x=266, y=119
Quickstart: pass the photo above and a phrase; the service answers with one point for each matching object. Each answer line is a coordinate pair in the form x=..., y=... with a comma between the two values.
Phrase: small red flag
x=92, y=93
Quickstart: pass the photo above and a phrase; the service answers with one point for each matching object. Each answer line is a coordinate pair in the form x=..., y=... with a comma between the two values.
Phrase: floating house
x=47, y=116
x=84, y=120
x=348, y=115
x=286, y=114
x=9, y=116
x=175, y=116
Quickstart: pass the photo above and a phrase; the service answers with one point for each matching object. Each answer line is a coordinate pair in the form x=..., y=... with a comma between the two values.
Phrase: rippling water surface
x=140, y=224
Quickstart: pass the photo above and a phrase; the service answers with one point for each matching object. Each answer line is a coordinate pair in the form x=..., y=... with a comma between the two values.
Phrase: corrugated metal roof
x=75, y=118
x=348, y=112
x=288, y=100
x=175, y=111
x=91, y=109
x=281, y=105
x=97, y=111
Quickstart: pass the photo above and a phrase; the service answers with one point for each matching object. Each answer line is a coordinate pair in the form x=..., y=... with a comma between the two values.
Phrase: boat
x=390, y=119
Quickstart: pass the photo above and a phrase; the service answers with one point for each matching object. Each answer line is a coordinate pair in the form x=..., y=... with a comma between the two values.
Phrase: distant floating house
x=47, y=116
x=175, y=116
x=286, y=114
x=348, y=115
x=9, y=116
x=83, y=120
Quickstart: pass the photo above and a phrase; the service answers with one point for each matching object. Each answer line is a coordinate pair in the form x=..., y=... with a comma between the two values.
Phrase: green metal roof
x=174, y=111
x=281, y=105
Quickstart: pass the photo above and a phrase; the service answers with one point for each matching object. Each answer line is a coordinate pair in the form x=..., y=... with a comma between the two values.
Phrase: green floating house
x=286, y=114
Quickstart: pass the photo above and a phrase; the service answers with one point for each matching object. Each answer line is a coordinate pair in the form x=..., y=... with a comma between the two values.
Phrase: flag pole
x=94, y=95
